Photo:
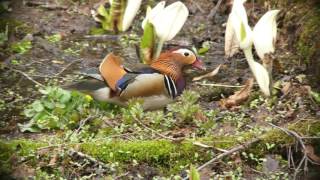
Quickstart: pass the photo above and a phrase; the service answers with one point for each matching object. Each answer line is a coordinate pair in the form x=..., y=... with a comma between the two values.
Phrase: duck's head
x=172, y=62
x=186, y=57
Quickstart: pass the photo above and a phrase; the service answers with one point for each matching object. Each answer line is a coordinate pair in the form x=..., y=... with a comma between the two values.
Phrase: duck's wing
x=146, y=84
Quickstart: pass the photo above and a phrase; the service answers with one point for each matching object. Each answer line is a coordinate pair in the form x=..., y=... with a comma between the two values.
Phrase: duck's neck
x=169, y=67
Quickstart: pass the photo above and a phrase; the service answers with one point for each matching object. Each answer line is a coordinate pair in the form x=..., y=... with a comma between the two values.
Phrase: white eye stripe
x=185, y=52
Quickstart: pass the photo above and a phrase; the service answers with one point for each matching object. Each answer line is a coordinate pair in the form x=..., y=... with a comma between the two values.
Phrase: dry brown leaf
x=286, y=87
x=309, y=150
x=210, y=74
x=231, y=44
x=239, y=96
x=53, y=160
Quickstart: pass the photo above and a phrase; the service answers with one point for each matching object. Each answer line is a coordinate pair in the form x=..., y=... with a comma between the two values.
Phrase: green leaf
x=315, y=96
x=243, y=33
x=102, y=11
x=30, y=127
x=194, y=174
x=65, y=97
x=49, y=104
x=44, y=91
x=37, y=106
x=203, y=50
x=147, y=43
x=29, y=112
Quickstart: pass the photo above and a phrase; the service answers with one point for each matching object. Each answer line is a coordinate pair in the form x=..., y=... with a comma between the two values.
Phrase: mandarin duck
x=156, y=84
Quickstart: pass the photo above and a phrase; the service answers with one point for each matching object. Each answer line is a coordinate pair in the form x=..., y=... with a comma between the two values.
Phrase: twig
x=290, y=133
x=219, y=85
x=46, y=5
x=231, y=151
x=102, y=37
x=305, y=158
x=27, y=76
x=66, y=67
x=91, y=159
x=207, y=146
x=81, y=124
x=214, y=10
x=157, y=133
x=122, y=175
x=198, y=6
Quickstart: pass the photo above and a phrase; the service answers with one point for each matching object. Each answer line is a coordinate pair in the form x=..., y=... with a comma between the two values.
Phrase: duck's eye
x=186, y=54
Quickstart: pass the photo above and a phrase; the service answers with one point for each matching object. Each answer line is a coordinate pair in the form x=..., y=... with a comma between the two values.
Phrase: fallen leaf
x=309, y=150
x=53, y=160
x=286, y=87
x=57, y=62
x=197, y=143
x=210, y=74
x=239, y=96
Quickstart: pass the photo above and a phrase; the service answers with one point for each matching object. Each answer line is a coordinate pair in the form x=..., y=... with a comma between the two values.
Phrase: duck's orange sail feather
x=111, y=70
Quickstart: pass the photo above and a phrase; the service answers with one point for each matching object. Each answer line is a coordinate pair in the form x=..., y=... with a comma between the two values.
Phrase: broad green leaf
x=29, y=112
x=194, y=174
x=49, y=104
x=315, y=96
x=102, y=11
x=147, y=43
x=65, y=97
x=37, y=106
x=28, y=127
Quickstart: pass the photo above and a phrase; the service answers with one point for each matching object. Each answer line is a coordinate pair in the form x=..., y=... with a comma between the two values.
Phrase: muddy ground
x=51, y=62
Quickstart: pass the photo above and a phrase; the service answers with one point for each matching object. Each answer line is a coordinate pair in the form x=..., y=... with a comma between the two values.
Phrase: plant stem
x=249, y=57
x=158, y=49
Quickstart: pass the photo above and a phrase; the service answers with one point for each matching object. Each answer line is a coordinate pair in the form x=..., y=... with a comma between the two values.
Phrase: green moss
x=158, y=153
x=9, y=149
x=307, y=41
x=169, y=157
x=15, y=26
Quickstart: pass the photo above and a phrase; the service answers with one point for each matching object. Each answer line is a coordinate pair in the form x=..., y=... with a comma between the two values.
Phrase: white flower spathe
x=129, y=13
x=167, y=21
x=263, y=36
x=265, y=33
x=152, y=13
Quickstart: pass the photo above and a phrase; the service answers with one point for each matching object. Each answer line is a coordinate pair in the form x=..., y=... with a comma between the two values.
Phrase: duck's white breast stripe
x=171, y=87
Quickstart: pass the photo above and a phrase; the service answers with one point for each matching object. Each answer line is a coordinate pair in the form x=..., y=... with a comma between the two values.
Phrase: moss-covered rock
x=162, y=154
x=167, y=156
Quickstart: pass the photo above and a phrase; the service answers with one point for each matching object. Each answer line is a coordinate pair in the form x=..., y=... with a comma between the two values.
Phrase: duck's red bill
x=198, y=64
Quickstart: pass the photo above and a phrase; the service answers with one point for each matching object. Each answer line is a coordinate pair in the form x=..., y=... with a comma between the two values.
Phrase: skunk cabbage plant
x=263, y=36
x=161, y=24
x=119, y=15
